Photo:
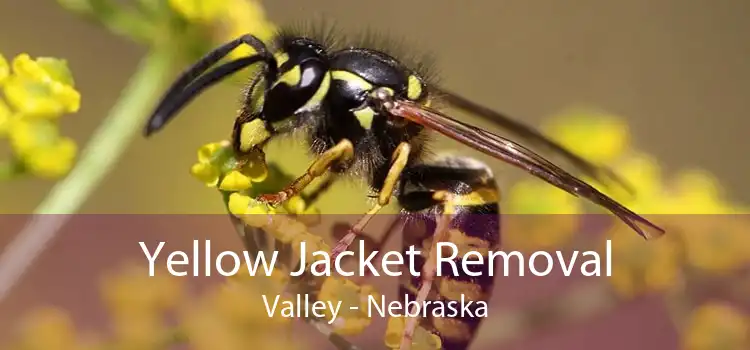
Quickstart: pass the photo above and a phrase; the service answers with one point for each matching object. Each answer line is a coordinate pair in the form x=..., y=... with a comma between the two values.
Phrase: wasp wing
x=519, y=156
x=531, y=135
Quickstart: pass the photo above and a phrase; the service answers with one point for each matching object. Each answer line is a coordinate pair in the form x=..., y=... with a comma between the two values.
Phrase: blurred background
x=674, y=72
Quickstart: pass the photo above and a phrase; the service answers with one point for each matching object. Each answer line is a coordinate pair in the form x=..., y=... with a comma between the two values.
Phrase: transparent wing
x=519, y=156
x=531, y=135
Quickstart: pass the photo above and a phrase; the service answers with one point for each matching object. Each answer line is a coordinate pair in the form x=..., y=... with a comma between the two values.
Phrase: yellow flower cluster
x=157, y=313
x=640, y=266
x=218, y=167
x=36, y=93
x=216, y=162
x=604, y=139
x=690, y=205
x=50, y=328
x=137, y=305
x=233, y=315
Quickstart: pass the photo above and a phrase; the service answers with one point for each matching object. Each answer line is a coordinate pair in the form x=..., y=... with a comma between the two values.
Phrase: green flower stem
x=101, y=154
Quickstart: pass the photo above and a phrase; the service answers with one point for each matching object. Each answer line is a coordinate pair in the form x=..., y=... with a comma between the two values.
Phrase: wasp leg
x=453, y=200
x=312, y=197
x=429, y=269
x=398, y=163
x=341, y=152
x=376, y=243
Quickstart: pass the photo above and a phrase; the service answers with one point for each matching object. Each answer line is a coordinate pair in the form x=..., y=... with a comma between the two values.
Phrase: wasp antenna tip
x=149, y=130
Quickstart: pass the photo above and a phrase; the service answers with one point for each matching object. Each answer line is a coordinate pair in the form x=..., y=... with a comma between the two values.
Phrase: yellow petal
x=201, y=11
x=235, y=181
x=26, y=135
x=52, y=162
x=4, y=69
x=206, y=173
x=207, y=151
x=295, y=205
x=394, y=331
x=42, y=87
x=247, y=17
x=48, y=329
x=25, y=66
x=47, y=99
x=238, y=203
x=422, y=339
x=699, y=192
x=537, y=197
x=596, y=136
x=5, y=117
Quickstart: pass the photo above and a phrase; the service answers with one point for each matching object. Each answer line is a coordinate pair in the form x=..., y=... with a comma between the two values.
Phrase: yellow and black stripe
x=475, y=225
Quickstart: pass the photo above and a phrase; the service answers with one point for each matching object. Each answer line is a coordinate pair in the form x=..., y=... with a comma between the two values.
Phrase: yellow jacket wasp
x=366, y=114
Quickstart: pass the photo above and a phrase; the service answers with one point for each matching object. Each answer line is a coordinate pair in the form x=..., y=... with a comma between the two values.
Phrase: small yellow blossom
x=201, y=11
x=137, y=304
x=715, y=243
x=697, y=192
x=717, y=326
x=205, y=173
x=643, y=173
x=208, y=168
x=216, y=161
x=537, y=197
x=422, y=339
x=697, y=213
x=42, y=87
x=596, y=136
x=139, y=331
x=6, y=117
x=245, y=17
x=133, y=291
x=233, y=316
x=239, y=203
x=235, y=181
x=295, y=205
x=553, y=220
x=640, y=266
x=690, y=192
x=353, y=317
x=48, y=328
x=39, y=145
x=207, y=152
x=53, y=161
